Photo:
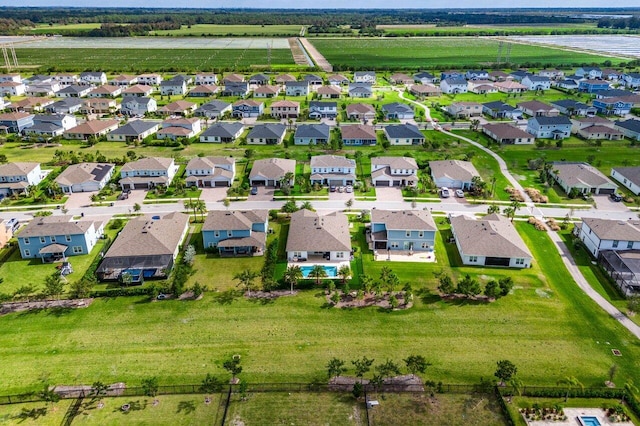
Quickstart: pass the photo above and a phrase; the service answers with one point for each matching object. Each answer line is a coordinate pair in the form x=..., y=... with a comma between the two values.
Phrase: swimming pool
x=332, y=271
x=589, y=421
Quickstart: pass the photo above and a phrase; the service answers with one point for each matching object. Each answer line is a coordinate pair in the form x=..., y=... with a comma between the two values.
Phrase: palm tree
x=292, y=275
x=509, y=212
x=201, y=207
x=344, y=272
x=245, y=279
x=367, y=283
x=190, y=204
x=570, y=382
x=317, y=272
x=307, y=206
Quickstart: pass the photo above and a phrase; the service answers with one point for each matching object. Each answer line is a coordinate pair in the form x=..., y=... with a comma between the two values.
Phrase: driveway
x=341, y=196
x=389, y=194
x=604, y=203
x=135, y=196
x=78, y=200
x=264, y=194
x=211, y=195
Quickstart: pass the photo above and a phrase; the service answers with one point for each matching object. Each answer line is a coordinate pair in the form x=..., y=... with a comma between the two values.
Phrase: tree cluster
x=471, y=288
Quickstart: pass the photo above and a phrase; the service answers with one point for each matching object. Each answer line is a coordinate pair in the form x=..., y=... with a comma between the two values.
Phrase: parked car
x=444, y=192
x=459, y=193
x=332, y=188
x=341, y=189
x=615, y=197
x=349, y=189
x=254, y=190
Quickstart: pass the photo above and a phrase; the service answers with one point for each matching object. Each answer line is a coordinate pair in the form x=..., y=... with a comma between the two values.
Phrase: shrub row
x=124, y=291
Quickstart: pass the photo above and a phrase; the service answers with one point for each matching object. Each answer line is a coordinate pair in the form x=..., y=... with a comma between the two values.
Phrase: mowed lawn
x=413, y=53
x=547, y=327
x=34, y=413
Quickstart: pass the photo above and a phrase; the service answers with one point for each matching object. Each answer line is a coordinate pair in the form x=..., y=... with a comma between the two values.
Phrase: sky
x=325, y=4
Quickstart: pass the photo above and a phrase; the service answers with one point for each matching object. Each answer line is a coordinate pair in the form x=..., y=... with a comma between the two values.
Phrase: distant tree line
x=632, y=23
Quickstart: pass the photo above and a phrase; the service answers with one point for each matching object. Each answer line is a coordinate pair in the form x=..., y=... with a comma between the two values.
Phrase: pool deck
x=405, y=256
x=572, y=418
x=336, y=265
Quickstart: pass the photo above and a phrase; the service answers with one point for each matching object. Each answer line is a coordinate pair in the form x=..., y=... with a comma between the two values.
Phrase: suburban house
x=174, y=128
x=285, y=109
x=146, y=248
x=623, y=268
x=312, y=134
x=271, y=172
x=490, y=241
x=236, y=233
x=329, y=92
x=579, y=123
x=364, y=77
x=629, y=177
x=613, y=93
x=31, y=104
x=505, y=133
x=332, y=170
x=247, y=108
x=477, y=75
x=613, y=106
x=454, y=85
x=284, y=78
x=338, y=80
x=509, y=86
x=538, y=109
x=591, y=86
x=74, y=91
x=320, y=238
x=394, y=171
x=400, y=78
x=424, y=90
x=124, y=80
x=358, y=135
x=608, y=234
x=589, y=72
x=585, y=178
x=173, y=87
x=211, y=172
x=612, y=75
x=360, y=90
x=266, y=91
x=106, y=91
x=397, y=111
x=52, y=238
x=296, y=88
x=206, y=79
x=406, y=230
x=42, y=89
x=222, y=132
x=481, y=87
x=85, y=177
x=15, y=122
x=451, y=74
x=50, y=125
x=552, y=74
x=630, y=128
x=549, y=127
x=233, y=78
x=632, y=80
x=499, y=76
x=148, y=172
x=204, y=91
x=499, y=109
x=91, y=129
x=568, y=84
x=361, y=112
x=180, y=107
x=424, y=77
x=404, y=134
x=267, y=134
x=319, y=109
x=453, y=173
x=13, y=77
x=240, y=89
x=213, y=109
x=7, y=230
x=464, y=109
x=17, y=177
x=138, y=105
x=97, y=78
x=135, y=130
x=314, y=81
x=65, y=106
x=150, y=79
x=536, y=82
x=259, y=80
x=599, y=132
x=570, y=107
x=99, y=106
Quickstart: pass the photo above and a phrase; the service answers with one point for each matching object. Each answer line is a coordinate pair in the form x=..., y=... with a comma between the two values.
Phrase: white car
x=459, y=193
x=349, y=188
x=444, y=192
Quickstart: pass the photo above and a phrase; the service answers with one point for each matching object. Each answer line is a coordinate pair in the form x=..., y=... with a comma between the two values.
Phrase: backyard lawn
x=34, y=413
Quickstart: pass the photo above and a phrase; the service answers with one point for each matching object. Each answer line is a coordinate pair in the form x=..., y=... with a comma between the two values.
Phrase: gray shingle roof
x=552, y=121
x=234, y=220
x=134, y=128
x=607, y=229
x=272, y=168
x=498, y=106
x=321, y=131
x=395, y=162
x=309, y=231
x=397, y=107
x=84, y=172
x=331, y=161
x=415, y=220
x=491, y=236
x=55, y=225
x=631, y=124
x=631, y=173
x=580, y=174
x=453, y=169
x=400, y=131
x=267, y=131
x=225, y=130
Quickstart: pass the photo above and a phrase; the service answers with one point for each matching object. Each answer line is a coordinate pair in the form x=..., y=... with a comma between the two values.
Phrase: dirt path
x=299, y=55
x=317, y=57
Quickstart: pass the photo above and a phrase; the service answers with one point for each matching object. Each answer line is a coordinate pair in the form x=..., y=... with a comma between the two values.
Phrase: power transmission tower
x=499, y=53
x=9, y=54
x=507, y=57
x=269, y=47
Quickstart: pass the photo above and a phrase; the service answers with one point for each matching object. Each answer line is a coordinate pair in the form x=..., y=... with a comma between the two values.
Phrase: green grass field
x=414, y=53
x=471, y=30
x=151, y=60
x=34, y=413
x=231, y=30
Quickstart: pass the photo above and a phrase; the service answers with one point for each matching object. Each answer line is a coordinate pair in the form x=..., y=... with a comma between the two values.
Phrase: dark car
x=616, y=197
x=254, y=190
x=332, y=188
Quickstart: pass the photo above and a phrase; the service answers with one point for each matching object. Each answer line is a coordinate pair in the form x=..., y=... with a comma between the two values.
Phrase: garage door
x=496, y=261
x=607, y=191
x=336, y=182
x=397, y=182
x=258, y=183
x=382, y=183
x=220, y=183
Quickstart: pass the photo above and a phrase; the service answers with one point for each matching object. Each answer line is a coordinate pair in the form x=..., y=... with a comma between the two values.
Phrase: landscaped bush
x=269, y=266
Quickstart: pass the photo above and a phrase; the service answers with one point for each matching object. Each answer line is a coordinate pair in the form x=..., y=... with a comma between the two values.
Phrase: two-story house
x=150, y=79
x=50, y=125
x=133, y=131
x=612, y=106
x=97, y=78
x=464, y=109
x=210, y=172
x=206, y=79
x=332, y=170
x=536, y=82
x=17, y=177
x=320, y=238
x=609, y=234
x=589, y=73
x=320, y=109
x=549, y=127
x=364, y=77
x=236, y=233
x=406, y=230
x=173, y=87
x=454, y=85
x=631, y=80
x=52, y=238
x=11, y=88
x=213, y=109
x=15, y=122
x=296, y=88
x=285, y=109
x=247, y=108
x=477, y=75
x=222, y=132
x=175, y=128
x=361, y=111
x=591, y=86
x=99, y=106
x=138, y=105
x=394, y=171
x=148, y=172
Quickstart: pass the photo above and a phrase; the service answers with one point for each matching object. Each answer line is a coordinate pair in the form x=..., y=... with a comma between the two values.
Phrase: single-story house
x=397, y=111
x=330, y=92
x=424, y=77
x=406, y=230
x=360, y=90
x=284, y=78
x=181, y=107
x=240, y=89
x=570, y=107
x=312, y=134
x=91, y=129
x=404, y=134
x=315, y=237
x=74, y=91
x=204, y=91
x=174, y=128
x=358, y=135
x=424, y=90
x=271, y=171
x=267, y=134
x=85, y=177
x=135, y=130
x=222, y=132
x=453, y=173
x=106, y=91
x=236, y=233
x=538, y=109
x=583, y=177
x=213, y=109
x=630, y=128
x=361, y=111
x=266, y=91
x=505, y=133
x=338, y=80
x=400, y=78
x=499, y=109
x=509, y=86
x=65, y=106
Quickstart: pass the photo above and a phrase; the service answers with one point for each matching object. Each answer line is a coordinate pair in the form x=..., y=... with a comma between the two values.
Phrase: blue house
x=613, y=106
x=589, y=72
x=591, y=86
x=236, y=233
x=632, y=80
x=408, y=230
x=55, y=237
x=16, y=122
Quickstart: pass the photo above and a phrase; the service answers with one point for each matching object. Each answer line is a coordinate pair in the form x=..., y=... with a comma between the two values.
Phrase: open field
x=231, y=30
x=146, y=60
x=168, y=43
x=471, y=30
x=34, y=413
x=60, y=28
x=617, y=44
x=547, y=327
x=414, y=53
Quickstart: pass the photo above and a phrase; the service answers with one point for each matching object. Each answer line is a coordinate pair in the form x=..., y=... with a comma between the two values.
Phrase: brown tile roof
x=506, y=131
x=93, y=126
x=309, y=231
x=358, y=131
x=453, y=169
